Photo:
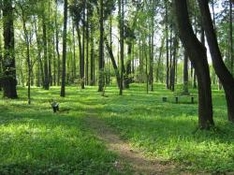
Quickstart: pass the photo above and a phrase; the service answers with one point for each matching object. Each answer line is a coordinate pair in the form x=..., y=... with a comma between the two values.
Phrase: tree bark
x=57, y=44
x=62, y=93
x=198, y=57
x=114, y=64
x=46, y=83
x=167, y=47
x=185, y=74
x=121, y=31
x=101, y=49
x=92, y=56
x=28, y=58
x=8, y=79
x=230, y=37
x=220, y=68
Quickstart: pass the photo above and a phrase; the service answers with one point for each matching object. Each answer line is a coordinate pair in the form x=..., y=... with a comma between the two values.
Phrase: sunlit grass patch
x=168, y=131
x=34, y=140
x=57, y=146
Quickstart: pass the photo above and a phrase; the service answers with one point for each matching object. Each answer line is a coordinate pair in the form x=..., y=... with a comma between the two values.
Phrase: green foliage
x=34, y=140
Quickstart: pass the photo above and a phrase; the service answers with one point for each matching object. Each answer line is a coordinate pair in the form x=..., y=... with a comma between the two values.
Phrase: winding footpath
x=140, y=164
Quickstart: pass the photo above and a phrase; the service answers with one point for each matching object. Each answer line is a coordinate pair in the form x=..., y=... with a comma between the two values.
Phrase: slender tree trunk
x=92, y=58
x=159, y=63
x=197, y=55
x=221, y=70
x=57, y=46
x=113, y=62
x=40, y=75
x=46, y=83
x=87, y=46
x=173, y=63
x=62, y=92
x=82, y=61
x=151, y=60
x=167, y=48
x=74, y=52
x=26, y=37
x=127, y=78
x=101, y=49
x=185, y=74
x=121, y=31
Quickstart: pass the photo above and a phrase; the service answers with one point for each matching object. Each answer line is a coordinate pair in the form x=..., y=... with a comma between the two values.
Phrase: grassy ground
x=34, y=140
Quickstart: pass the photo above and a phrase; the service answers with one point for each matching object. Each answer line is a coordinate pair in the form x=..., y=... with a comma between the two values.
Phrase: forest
x=116, y=87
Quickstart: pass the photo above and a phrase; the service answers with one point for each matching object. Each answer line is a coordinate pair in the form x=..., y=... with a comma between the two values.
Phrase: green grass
x=168, y=130
x=34, y=140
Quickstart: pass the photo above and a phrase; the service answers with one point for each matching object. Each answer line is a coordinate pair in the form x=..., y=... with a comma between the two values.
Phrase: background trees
x=107, y=42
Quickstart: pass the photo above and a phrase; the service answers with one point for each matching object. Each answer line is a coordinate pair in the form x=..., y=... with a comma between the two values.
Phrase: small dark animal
x=55, y=106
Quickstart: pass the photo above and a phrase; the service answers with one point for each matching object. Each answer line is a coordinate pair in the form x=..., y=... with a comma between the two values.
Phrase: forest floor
x=127, y=154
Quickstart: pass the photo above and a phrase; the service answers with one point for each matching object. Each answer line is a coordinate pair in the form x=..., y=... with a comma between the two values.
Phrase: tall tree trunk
x=220, y=68
x=27, y=42
x=159, y=63
x=82, y=60
x=114, y=64
x=185, y=74
x=87, y=45
x=230, y=37
x=121, y=31
x=151, y=61
x=74, y=52
x=167, y=47
x=92, y=58
x=197, y=55
x=127, y=78
x=57, y=45
x=40, y=71
x=81, y=57
x=101, y=80
x=8, y=81
x=62, y=93
x=46, y=83
x=173, y=63
x=1, y=55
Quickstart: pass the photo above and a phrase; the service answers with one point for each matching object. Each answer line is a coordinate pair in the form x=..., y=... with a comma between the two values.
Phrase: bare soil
x=139, y=163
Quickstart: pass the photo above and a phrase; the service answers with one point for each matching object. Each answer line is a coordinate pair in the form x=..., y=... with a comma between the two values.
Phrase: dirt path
x=138, y=162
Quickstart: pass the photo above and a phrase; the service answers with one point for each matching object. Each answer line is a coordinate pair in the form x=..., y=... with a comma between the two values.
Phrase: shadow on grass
x=160, y=133
x=62, y=143
x=34, y=141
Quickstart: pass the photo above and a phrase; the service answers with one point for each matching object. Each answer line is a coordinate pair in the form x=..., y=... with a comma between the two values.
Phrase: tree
x=230, y=36
x=8, y=78
x=46, y=83
x=114, y=64
x=1, y=49
x=25, y=15
x=198, y=57
x=62, y=93
x=185, y=75
x=101, y=48
x=221, y=70
x=57, y=26
x=121, y=36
